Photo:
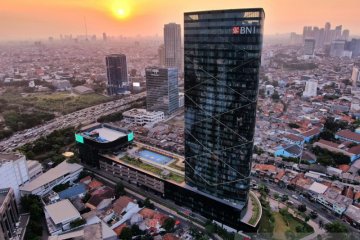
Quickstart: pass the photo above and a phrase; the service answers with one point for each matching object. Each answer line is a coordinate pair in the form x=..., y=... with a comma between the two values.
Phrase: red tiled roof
x=328, y=143
x=280, y=174
x=121, y=203
x=147, y=213
x=344, y=167
x=94, y=184
x=294, y=137
x=311, y=132
x=170, y=236
x=349, y=135
x=265, y=167
x=355, y=150
x=357, y=196
x=119, y=229
x=87, y=178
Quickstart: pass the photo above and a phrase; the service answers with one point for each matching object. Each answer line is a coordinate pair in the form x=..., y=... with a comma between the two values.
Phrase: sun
x=121, y=13
x=120, y=9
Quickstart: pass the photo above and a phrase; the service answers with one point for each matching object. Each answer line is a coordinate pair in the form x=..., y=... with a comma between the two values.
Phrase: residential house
x=101, y=198
x=347, y=135
x=334, y=201
x=311, y=134
x=352, y=216
x=288, y=150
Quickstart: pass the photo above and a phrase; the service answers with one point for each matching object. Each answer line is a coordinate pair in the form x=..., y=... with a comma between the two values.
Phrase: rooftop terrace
x=102, y=133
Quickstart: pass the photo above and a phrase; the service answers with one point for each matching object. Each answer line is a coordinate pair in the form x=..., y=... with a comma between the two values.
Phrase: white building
x=269, y=90
x=35, y=169
x=64, y=172
x=310, y=88
x=309, y=47
x=13, y=172
x=142, y=117
x=355, y=76
x=59, y=216
x=181, y=99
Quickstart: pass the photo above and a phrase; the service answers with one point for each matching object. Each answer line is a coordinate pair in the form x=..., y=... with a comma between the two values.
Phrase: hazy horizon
x=38, y=19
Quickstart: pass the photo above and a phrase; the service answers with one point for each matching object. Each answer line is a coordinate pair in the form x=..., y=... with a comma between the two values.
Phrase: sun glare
x=121, y=10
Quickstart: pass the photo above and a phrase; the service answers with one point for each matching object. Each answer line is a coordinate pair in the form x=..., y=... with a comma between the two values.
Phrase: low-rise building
x=334, y=201
x=142, y=117
x=347, y=135
x=59, y=216
x=64, y=172
x=352, y=216
x=35, y=168
x=288, y=150
x=353, y=152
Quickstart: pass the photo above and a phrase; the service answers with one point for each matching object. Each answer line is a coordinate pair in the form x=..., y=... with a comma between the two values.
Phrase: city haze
x=29, y=20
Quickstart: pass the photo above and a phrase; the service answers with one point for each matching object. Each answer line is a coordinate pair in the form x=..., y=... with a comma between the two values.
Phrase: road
x=165, y=206
x=83, y=116
x=324, y=214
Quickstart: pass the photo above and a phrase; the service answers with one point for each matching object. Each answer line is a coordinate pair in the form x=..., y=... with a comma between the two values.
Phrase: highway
x=83, y=116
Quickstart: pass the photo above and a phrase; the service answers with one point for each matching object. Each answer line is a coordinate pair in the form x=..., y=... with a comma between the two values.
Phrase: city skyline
x=24, y=20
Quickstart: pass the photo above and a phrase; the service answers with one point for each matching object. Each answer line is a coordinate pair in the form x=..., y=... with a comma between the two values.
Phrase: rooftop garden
x=256, y=210
x=155, y=170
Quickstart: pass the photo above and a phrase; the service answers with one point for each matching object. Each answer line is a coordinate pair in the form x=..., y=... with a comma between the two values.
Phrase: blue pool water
x=155, y=157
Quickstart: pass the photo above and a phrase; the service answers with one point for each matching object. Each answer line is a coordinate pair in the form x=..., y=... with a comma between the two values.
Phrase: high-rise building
x=162, y=90
x=355, y=76
x=310, y=88
x=9, y=214
x=354, y=47
x=172, y=43
x=222, y=60
x=309, y=47
x=161, y=54
x=346, y=34
x=13, y=171
x=104, y=36
x=327, y=33
x=337, y=48
x=117, y=74
x=338, y=32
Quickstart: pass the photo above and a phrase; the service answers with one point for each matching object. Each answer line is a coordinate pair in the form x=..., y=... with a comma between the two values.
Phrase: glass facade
x=221, y=63
x=117, y=75
x=162, y=92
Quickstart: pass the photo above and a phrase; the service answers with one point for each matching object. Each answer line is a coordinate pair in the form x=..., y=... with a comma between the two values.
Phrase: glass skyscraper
x=162, y=92
x=117, y=74
x=172, y=46
x=222, y=61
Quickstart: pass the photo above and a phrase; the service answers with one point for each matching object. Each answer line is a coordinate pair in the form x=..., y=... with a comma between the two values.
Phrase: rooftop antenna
x=86, y=35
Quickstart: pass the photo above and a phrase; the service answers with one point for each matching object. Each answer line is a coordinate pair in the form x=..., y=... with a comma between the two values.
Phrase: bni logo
x=243, y=30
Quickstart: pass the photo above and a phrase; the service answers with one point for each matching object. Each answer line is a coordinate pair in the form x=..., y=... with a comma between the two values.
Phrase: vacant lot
x=53, y=102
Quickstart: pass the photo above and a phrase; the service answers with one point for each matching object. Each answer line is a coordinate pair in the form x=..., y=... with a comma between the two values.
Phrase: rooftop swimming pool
x=154, y=157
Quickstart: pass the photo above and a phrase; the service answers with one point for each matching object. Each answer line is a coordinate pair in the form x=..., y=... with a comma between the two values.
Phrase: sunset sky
x=31, y=19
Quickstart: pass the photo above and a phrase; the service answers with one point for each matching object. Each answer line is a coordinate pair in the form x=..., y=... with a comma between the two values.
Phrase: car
x=295, y=197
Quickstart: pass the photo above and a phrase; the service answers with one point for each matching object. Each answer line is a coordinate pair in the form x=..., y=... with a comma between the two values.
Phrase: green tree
x=275, y=96
x=126, y=234
x=336, y=230
x=148, y=203
x=135, y=230
x=336, y=227
x=169, y=224
x=302, y=208
x=119, y=190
